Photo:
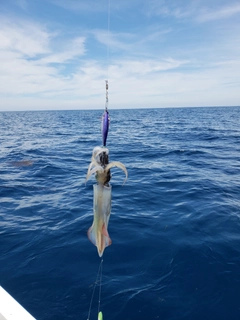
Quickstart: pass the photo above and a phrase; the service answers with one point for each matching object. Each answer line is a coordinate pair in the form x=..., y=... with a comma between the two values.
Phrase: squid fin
x=108, y=241
x=91, y=236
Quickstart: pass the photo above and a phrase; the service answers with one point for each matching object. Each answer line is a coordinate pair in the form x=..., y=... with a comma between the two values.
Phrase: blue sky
x=56, y=54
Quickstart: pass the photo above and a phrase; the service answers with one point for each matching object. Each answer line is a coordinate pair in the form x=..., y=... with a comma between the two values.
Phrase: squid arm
x=91, y=170
x=96, y=168
x=119, y=165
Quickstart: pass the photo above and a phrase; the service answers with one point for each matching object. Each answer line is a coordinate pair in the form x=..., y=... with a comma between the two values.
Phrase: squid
x=102, y=190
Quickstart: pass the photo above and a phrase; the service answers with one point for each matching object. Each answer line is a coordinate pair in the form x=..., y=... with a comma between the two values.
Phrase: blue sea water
x=175, y=224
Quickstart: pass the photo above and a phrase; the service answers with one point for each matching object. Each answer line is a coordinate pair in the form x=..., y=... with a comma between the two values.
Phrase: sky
x=57, y=54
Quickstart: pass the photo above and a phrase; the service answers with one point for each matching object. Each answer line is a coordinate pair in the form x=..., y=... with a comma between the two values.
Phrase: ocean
x=175, y=223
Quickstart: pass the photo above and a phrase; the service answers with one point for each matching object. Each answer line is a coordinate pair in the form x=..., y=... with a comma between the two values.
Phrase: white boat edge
x=10, y=309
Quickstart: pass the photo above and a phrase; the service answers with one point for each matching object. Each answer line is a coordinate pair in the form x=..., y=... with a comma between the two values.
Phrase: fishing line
x=108, y=40
x=98, y=281
x=104, y=132
x=100, y=286
x=105, y=117
x=108, y=37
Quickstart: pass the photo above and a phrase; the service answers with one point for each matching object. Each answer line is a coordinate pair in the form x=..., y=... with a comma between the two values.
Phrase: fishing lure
x=105, y=126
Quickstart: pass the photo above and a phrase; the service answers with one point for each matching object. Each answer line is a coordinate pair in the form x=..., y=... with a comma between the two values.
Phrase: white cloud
x=220, y=13
x=216, y=86
x=81, y=6
x=98, y=6
x=28, y=52
x=136, y=44
x=140, y=68
x=179, y=9
x=42, y=68
x=200, y=11
x=26, y=38
x=115, y=41
x=72, y=49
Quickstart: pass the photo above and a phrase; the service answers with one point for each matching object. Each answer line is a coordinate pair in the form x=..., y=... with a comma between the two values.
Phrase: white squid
x=98, y=233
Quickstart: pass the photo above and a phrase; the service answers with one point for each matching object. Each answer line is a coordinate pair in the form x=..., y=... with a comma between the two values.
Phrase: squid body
x=98, y=232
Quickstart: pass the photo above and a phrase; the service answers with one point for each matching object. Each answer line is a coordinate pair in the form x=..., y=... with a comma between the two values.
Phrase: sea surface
x=175, y=223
